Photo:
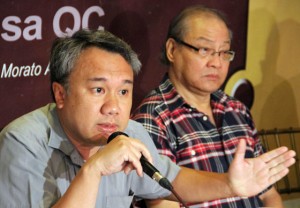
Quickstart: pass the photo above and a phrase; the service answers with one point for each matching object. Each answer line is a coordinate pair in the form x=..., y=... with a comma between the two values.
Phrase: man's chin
x=102, y=140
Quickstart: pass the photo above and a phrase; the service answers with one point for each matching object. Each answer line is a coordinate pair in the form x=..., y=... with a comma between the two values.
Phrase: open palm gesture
x=249, y=176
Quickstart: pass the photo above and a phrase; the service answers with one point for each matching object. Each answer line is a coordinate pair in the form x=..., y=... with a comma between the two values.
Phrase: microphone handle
x=148, y=168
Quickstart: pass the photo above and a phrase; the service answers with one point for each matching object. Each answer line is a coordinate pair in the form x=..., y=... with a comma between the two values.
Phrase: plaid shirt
x=191, y=140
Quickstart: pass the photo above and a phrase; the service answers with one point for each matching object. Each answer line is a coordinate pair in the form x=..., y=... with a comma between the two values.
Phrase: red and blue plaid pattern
x=188, y=137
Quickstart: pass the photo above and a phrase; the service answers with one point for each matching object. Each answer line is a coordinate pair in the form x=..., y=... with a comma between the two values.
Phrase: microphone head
x=114, y=135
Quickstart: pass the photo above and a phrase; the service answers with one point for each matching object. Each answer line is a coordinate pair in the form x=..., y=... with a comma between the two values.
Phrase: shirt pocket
x=118, y=201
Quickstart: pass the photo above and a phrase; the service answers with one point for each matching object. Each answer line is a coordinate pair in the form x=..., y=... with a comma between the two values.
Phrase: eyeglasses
x=205, y=52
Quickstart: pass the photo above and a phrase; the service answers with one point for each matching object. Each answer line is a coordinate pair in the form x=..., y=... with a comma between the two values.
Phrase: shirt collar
x=170, y=95
x=174, y=100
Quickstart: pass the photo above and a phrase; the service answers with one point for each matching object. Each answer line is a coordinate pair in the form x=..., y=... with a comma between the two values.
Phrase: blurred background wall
x=272, y=65
x=28, y=28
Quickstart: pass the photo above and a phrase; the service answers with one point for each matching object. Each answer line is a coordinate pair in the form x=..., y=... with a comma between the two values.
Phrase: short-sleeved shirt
x=38, y=164
x=187, y=136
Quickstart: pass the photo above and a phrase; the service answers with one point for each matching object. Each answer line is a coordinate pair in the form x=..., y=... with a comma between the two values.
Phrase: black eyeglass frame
x=232, y=53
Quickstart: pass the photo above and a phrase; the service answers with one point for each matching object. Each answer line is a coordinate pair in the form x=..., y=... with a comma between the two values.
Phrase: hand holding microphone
x=122, y=155
x=148, y=168
x=151, y=171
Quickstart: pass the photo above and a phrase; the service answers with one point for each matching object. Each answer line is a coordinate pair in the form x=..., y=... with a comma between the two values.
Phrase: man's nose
x=215, y=59
x=110, y=106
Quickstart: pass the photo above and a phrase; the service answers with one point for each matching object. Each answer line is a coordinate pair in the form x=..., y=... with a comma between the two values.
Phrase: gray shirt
x=38, y=163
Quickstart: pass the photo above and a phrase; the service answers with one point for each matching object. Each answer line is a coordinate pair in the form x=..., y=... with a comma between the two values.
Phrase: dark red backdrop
x=29, y=27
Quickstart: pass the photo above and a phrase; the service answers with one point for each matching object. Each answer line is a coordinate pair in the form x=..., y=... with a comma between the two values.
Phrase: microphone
x=151, y=171
x=148, y=168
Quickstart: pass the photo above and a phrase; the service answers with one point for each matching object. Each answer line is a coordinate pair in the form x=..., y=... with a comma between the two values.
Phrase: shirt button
x=193, y=152
x=204, y=118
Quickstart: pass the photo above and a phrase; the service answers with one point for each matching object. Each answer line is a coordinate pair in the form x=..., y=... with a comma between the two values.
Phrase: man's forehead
x=206, y=33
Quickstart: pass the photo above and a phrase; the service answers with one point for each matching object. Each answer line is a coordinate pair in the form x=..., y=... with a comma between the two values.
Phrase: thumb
x=240, y=151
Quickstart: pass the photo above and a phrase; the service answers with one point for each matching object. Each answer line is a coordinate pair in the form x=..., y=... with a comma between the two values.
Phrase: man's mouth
x=107, y=128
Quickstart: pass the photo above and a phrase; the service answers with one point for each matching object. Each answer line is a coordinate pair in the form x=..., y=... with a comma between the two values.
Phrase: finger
x=266, y=157
x=133, y=162
x=278, y=176
x=276, y=169
x=139, y=168
x=142, y=150
x=289, y=162
x=281, y=170
x=282, y=159
x=240, y=151
x=128, y=168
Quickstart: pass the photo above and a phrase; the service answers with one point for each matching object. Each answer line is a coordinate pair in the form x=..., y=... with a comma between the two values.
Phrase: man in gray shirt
x=57, y=156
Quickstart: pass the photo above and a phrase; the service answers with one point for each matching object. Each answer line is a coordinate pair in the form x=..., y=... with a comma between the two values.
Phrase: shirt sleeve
x=25, y=178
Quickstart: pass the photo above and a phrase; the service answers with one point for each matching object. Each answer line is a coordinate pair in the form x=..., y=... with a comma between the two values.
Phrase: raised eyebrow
x=97, y=79
x=210, y=41
x=204, y=39
x=102, y=79
x=128, y=81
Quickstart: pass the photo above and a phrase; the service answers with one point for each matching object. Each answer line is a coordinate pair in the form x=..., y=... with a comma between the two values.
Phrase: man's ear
x=170, y=48
x=59, y=94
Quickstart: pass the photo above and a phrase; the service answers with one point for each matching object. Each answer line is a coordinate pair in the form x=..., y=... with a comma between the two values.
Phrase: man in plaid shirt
x=189, y=118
